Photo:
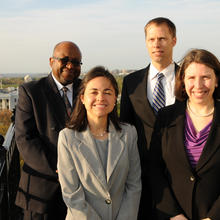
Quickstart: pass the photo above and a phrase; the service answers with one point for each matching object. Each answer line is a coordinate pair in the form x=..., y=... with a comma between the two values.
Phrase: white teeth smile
x=199, y=93
x=100, y=105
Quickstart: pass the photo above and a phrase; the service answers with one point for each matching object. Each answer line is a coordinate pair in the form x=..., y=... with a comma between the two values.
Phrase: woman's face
x=200, y=82
x=99, y=98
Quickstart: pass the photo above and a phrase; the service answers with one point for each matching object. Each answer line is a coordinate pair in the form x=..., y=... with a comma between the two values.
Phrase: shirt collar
x=60, y=86
x=168, y=71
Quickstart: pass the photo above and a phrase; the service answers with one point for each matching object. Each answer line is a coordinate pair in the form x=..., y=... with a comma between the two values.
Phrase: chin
x=102, y=115
x=158, y=59
x=69, y=80
x=201, y=101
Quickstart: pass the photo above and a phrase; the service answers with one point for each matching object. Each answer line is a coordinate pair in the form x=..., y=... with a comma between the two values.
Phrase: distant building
x=8, y=98
x=27, y=78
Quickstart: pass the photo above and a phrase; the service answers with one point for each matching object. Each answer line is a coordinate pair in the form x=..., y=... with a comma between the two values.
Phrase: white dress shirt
x=69, y=91
x=168, y=82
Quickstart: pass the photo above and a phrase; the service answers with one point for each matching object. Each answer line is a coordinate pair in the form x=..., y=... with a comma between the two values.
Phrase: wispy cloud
x=108, y=32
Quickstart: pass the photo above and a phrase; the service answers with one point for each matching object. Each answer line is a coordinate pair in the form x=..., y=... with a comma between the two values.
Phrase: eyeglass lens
x=75, y=62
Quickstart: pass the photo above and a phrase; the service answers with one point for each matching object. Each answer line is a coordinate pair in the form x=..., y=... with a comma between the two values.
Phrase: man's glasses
x=66, y=60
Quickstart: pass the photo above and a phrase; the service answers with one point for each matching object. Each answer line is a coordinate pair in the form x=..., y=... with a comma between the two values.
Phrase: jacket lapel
x=115, y=149
x=89, y=152
x=177, y=134
x=55, y=100
x=140, y=100
x=213, y=141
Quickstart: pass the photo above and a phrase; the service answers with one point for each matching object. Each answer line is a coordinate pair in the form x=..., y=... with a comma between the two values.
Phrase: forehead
x=158, y=29
x=67, y=50
x=99, y=83
x=198, y=69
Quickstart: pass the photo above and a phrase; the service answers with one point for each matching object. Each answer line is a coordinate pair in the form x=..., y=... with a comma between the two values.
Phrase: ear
x=174, y=41
x=82, y=99
x=51, y=60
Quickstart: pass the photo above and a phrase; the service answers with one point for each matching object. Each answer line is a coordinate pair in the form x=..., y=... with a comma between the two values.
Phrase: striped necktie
x=158, y=100
x=66, y=101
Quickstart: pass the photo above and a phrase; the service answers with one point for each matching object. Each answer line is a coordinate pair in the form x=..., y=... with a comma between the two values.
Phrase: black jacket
x=40, y=115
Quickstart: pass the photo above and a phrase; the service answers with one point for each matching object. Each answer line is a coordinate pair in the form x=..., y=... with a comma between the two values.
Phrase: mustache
x=72, y=71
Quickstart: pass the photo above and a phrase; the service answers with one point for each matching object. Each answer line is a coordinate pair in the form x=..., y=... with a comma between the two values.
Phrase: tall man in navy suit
x=40, y=115
x=137, y=95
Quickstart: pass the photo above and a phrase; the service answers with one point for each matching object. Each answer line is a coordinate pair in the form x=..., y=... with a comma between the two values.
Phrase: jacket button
x=108, y=201
x=192, y=178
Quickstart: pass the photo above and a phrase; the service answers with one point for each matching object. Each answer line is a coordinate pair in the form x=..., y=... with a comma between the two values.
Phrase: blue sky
x=108, y=32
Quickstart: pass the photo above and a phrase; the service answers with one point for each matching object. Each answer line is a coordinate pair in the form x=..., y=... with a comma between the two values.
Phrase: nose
x=198, y=83
x=100, y=96
x=156, y=43
x=69, y=65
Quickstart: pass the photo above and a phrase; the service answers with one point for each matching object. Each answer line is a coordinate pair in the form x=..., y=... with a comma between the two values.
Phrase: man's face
x=160, y=43
x=65, y=63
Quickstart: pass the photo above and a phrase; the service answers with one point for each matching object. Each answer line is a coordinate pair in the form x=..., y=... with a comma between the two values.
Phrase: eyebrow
x=107, y=89
x=192, y=74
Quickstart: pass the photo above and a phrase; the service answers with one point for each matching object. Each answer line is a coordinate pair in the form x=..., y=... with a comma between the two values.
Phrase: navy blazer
x=177, y=187
x=40, y=115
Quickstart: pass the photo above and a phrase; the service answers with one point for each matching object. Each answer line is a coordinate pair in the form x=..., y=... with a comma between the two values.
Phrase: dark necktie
x=66, y=101
x=158, y=100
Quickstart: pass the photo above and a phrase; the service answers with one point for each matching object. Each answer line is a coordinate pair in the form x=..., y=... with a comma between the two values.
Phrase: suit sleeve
x=126, y=108
x=163, y=197
x=28, y=140
x=72, y=190
x=131, y=198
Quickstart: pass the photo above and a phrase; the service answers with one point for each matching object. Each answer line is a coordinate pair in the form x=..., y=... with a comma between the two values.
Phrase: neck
x=201, y=110
x=97, y=125
x=161, y=65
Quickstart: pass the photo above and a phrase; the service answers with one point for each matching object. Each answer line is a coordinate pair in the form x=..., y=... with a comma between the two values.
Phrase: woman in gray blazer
x=98, y=161
x=185, y=148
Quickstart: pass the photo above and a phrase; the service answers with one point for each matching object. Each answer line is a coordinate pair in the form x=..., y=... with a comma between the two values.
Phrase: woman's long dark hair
x=78, y=120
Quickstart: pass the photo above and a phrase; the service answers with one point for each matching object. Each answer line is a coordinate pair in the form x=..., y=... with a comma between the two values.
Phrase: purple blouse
x=195, y=142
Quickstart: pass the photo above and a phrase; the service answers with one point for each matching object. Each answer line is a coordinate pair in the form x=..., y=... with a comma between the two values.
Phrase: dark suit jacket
x=178, y=188
x=136, y=110
x=40, y=115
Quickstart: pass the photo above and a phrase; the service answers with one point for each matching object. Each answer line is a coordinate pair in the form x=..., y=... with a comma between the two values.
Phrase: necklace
x=99, y=135
x=198, y=115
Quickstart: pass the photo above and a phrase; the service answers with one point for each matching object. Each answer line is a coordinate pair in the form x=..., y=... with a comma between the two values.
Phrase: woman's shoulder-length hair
x=198, y=56
x=78, y=120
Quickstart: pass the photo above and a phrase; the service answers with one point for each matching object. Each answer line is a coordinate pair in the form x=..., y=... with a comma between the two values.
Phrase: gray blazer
x=88, y=191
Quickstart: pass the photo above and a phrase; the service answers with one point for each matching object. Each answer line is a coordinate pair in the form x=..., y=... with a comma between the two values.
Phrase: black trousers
x=57, y=210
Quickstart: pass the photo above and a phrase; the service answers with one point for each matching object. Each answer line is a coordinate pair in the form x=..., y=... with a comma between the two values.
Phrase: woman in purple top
x=185, y=147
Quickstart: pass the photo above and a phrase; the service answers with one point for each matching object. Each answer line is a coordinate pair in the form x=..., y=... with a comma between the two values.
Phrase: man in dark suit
x=40, y=114
x=137, y=96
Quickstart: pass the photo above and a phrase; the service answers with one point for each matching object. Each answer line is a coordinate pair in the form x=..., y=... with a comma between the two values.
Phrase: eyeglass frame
x=64, y=61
